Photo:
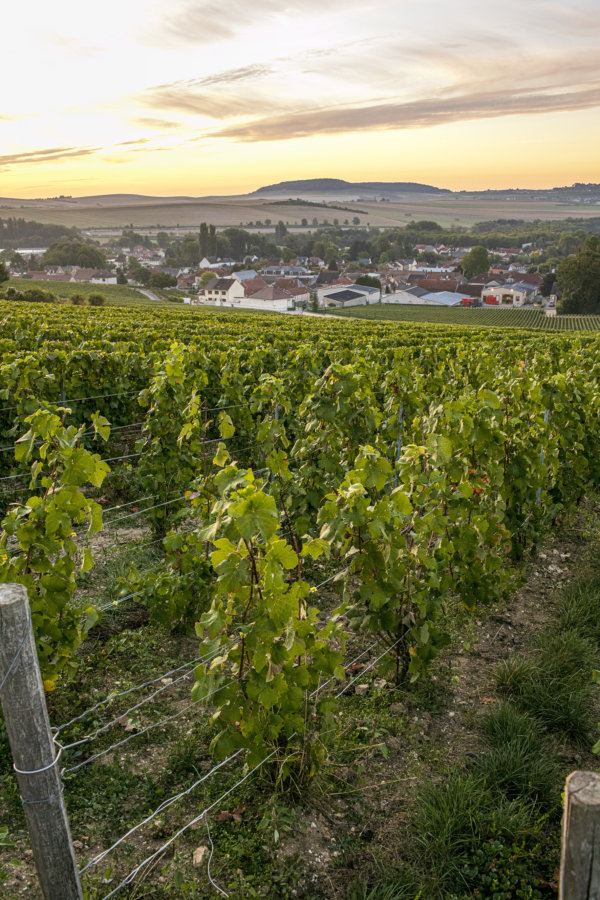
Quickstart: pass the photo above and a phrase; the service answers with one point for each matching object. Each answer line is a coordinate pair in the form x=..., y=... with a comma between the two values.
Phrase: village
x=433, y=276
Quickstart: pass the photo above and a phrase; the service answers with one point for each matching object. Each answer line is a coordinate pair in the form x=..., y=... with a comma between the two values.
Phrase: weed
x=454, y=823
x=578, y=609
x=554, y=684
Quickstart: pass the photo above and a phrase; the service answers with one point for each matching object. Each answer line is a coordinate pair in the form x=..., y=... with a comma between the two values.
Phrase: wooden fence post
x=33, y=749
x=580, y=856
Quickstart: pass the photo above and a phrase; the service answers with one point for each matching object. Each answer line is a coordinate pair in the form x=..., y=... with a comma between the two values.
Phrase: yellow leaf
x=49, y=685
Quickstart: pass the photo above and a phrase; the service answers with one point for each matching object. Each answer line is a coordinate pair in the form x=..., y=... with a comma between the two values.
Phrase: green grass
x=578, y=609
x=116, y=294
x=457, y=315
x=554, y=682
x=518, y=763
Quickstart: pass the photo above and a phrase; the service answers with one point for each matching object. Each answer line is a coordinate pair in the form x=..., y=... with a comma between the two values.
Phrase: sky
x=201, y=97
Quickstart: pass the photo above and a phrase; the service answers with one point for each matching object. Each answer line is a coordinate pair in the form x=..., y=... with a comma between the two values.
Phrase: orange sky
x=203, y=97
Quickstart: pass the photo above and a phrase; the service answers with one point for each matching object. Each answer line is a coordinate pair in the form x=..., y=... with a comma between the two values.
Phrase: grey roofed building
x=417, y=291
x=344, y=296
x=523, y=286
x=366, y=289
x=219, y=284
x=244, y=274
x=444, y=298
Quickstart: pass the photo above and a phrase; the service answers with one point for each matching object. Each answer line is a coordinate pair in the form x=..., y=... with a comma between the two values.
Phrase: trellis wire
x=76, y=399
x=143, y=731
x=133, y=874
x=131, y=690
x=164, y=805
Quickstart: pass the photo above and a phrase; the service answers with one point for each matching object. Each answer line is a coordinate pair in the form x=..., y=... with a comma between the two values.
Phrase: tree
x=476, y=262
x=73, y=253
x=137, y=271
x=578, y=277
x=304, y=223
x=162, y=280
x=96, y=300
x=429, y=257
x=547, y=283
x=369, y=281
x=206, y=277
x=356, y=220
x=4, y=276
x=203, y=240
x=280, y=232
x=78, y=300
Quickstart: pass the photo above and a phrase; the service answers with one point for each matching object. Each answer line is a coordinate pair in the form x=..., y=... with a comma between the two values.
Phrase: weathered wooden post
x=33, y=749
x=580, y=856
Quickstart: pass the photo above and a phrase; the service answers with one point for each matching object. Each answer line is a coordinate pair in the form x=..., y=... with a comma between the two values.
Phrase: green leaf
x=315, y=547
x=88, y=560
x=256, y=513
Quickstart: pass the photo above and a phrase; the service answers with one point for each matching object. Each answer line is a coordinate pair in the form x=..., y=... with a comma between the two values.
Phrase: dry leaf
x=127, y=723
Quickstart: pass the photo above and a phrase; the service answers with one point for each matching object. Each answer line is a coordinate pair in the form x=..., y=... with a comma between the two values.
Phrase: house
x=295, y=289
x=439, y=282
x=208, y=262
x=93, y=276
x=277, y=269
x=328, y=276
x=221, y=292
x=244, y=274
x=445, y=298
x=516, y=294
x=186, y=282
x=269, y=298
x=354, y=295
x=252, y=285
x=422, y=267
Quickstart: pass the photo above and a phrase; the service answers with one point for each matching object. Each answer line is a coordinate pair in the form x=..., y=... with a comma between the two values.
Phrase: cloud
x=130, y=143
x=151, y=122
x=423, y=113
x=41, y=156
x=569, y=19
x=244, y=73
x=208, y=21
x=217, y=96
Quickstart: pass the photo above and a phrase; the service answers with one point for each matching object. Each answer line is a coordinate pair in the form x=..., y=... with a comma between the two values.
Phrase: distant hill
x=332, y=186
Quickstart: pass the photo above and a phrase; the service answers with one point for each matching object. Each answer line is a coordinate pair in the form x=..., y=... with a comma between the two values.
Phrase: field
x=115, y=294
x=455, y=315
x=109, y=213
x=315, y=602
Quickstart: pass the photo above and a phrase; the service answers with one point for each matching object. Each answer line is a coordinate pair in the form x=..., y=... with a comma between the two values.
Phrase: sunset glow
x=198, y=97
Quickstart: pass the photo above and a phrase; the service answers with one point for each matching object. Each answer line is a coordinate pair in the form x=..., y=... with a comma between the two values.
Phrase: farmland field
x=268, y=560
x=455, y=315
x=117, y=212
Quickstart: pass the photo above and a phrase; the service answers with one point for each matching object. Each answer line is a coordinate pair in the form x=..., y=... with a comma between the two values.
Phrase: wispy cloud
x=207, y=21
x=39, y=156
x=152, y=122
x=217, y=96
x=131, y=143
x=422, y=113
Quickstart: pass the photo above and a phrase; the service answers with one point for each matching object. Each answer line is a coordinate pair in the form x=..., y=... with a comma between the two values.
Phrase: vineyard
x=457, y=315
x=252, y=516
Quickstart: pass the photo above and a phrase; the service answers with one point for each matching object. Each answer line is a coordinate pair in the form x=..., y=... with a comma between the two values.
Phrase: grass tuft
x=554, y=684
